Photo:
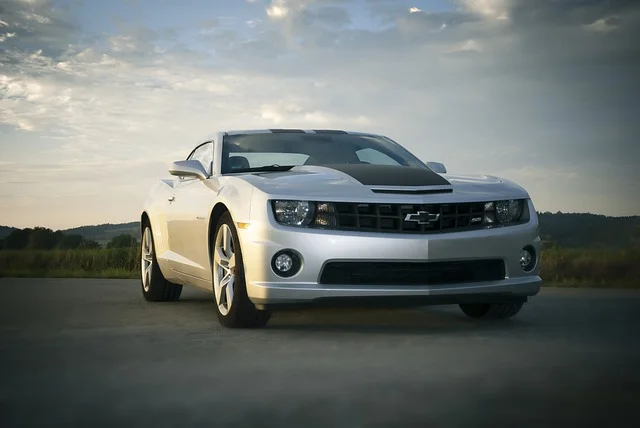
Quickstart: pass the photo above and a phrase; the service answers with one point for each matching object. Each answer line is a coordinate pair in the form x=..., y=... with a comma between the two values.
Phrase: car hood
x=380, y=182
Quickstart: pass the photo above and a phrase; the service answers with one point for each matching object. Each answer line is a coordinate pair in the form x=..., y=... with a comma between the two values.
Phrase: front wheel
x=155, y=287
x=233, y=306
x=491, y=310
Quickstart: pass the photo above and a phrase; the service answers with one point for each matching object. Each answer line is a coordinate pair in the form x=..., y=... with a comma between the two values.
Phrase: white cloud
x=602, y=25
x=493, y=9
x=470, y=45
x=295, y=115
x=6, y=36
x=414, y=9
x=278, y=9
x=31, y=16
x=123, y=44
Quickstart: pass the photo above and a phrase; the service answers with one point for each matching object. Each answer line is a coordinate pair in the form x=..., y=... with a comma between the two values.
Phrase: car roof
x=295, y=131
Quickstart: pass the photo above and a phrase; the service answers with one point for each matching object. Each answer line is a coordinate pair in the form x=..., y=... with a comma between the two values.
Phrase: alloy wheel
x=224, y=273
x=147, y=259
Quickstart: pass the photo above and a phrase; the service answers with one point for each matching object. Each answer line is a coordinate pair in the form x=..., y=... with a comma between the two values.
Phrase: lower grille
x=412, y=273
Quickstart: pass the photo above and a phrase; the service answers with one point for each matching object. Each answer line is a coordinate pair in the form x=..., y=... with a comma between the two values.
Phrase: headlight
x=504, y=211
x=294, y=213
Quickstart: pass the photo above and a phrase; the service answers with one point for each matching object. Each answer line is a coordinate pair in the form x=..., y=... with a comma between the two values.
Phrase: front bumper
x=263, y=239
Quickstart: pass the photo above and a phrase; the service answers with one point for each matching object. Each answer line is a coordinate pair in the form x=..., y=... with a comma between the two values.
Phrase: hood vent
x=430, y=190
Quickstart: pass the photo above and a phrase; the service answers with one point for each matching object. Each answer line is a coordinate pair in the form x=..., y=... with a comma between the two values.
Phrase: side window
x=375, y=157
x=204, y=154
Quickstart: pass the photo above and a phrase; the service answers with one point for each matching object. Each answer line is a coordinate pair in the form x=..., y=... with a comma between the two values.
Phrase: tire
x=233, y=306
x=155, y=287
x=491, y=310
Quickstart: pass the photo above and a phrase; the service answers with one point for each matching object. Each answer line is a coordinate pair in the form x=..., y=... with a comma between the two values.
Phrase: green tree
x=89, y=244
x=122, y=241
x=42, y=238
x=17, y=239
x=69, y=242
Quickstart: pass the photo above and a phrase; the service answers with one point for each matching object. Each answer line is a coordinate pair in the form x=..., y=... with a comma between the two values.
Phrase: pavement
x=91, y=353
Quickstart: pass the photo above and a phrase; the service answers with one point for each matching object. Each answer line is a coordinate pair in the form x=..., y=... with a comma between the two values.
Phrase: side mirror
x=437, y=167
x=188, y=168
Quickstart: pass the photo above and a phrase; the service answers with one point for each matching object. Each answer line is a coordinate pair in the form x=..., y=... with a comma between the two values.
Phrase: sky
x=97, y=97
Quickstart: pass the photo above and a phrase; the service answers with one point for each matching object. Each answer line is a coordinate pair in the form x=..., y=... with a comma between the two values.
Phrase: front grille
x=412, y=273
x=393, y=217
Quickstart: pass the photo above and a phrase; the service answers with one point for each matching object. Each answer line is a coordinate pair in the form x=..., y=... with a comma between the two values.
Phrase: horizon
x=98, y=98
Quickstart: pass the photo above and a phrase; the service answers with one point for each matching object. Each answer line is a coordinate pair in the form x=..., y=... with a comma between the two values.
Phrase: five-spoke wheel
x=224, y=265
x=155, y=287
x=146, y=263
x=233, y=306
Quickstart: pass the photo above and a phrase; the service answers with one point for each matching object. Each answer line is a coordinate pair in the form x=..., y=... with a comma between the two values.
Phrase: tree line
x=565, y=230
x=41, y=238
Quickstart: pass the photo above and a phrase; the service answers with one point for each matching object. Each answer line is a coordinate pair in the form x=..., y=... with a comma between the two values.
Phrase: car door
x=188, y=218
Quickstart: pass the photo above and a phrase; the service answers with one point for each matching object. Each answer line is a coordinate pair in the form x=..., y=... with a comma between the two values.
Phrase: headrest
x=238, y=162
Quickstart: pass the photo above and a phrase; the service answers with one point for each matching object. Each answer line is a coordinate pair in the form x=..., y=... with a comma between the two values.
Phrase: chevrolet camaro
x=283, y=218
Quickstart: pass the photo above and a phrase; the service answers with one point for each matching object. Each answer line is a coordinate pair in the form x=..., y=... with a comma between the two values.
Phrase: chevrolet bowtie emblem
x=422, y=217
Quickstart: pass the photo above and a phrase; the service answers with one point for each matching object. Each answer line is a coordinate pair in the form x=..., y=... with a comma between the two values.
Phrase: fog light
x=286, y=263
x=527, y=258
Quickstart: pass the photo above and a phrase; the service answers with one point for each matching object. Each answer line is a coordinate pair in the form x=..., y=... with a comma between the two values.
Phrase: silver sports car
x=279, y=218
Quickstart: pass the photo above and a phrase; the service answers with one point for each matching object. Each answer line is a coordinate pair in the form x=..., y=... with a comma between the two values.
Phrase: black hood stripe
x=391, y=175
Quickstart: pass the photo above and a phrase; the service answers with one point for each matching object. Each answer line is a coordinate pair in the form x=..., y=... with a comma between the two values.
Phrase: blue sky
x=97, y=97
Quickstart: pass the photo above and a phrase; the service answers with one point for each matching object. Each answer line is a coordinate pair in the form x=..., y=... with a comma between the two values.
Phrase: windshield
x=277, y=151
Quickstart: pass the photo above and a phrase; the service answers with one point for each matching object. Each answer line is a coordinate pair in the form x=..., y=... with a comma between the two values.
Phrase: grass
x=559, y=267
x=591, y=267
x=98, y=263
x=70, y=273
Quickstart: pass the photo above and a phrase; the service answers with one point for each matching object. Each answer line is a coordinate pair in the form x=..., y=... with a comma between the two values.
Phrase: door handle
x=172, y=198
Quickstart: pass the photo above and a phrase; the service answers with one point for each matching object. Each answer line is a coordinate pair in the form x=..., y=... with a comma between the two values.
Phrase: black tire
x=491, y=310
x=242, y=312
x=159, y=289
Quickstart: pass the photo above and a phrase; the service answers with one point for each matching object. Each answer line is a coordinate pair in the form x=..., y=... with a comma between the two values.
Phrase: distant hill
x=5, y=231
x=562, y=229
x=103, y=233
x=589, y=230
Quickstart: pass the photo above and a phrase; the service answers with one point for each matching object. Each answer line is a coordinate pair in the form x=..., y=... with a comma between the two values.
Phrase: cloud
x=544, y=93
x=603, y=25
x=291, y=113
x=35, y=25
x=277, y=10
x=470, y=45
x=492, y=9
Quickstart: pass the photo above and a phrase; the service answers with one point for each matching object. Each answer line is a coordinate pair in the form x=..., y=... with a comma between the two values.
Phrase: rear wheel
x=233, y=306
x=155, y=287
x=491, y=310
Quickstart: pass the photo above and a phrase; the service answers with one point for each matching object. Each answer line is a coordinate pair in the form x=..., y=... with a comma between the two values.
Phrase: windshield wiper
x=265, y=168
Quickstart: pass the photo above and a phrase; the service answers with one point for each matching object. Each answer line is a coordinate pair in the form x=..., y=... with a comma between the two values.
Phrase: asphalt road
x=94, y=353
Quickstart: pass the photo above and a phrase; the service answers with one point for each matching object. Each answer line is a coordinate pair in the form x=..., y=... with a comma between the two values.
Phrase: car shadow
x=419, y=320
x=423, y=320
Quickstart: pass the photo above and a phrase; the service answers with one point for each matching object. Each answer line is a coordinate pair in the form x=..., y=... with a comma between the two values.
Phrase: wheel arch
x=235, y=197
x=144, y=218
x=216, y=213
